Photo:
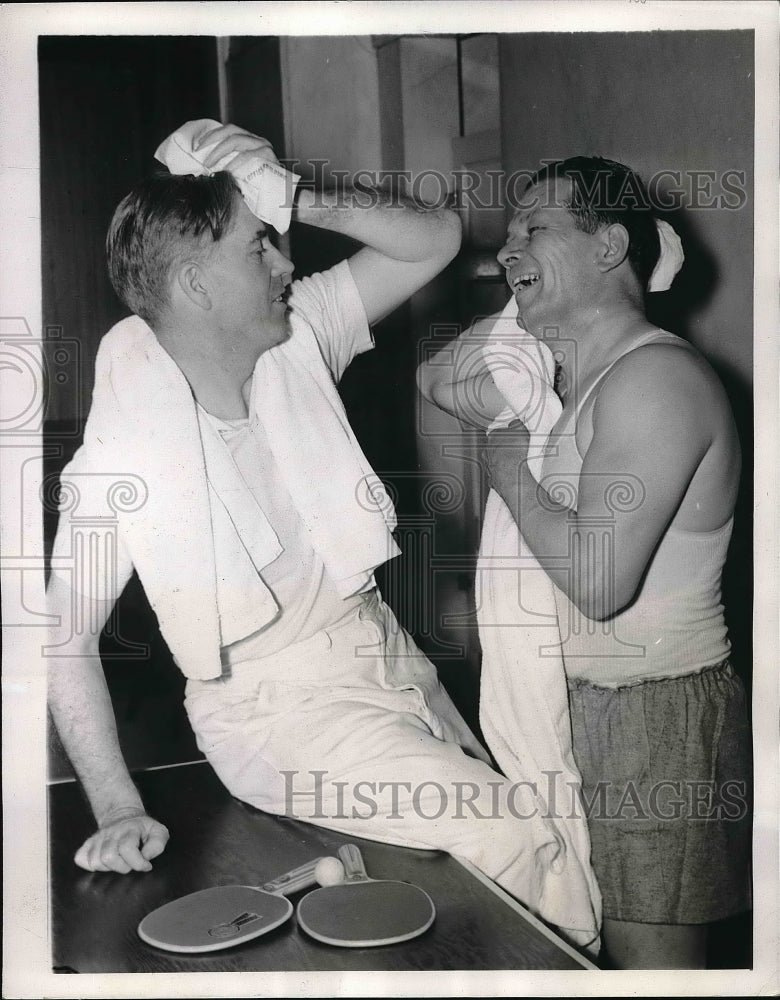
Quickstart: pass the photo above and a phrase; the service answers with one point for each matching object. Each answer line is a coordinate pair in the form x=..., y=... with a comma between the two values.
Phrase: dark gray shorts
x=666, y=776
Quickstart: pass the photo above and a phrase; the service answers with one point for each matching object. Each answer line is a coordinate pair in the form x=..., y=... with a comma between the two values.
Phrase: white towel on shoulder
x=143, y=419
x=524, y=710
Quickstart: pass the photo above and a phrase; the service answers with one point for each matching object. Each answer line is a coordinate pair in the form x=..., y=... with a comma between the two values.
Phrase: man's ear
x=189, y=280
x=613, y=246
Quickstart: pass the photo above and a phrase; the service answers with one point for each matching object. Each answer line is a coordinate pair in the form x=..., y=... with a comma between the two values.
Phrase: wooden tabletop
x=216, y=840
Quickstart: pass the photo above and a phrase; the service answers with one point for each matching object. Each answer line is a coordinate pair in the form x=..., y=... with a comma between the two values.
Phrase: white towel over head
x=266, y=187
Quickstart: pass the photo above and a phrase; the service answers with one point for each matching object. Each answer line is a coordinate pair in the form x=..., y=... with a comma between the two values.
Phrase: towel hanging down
x=524, y=710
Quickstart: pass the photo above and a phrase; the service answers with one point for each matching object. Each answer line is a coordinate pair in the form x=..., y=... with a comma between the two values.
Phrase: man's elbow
x=596, y=610
x=448, y=237
x=455, y=231
x=604, y=598
x=73, y=647
x=435, y=388
x=426, y=378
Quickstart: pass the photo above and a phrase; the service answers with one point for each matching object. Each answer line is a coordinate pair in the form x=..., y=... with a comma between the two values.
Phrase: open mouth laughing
x=523, y=281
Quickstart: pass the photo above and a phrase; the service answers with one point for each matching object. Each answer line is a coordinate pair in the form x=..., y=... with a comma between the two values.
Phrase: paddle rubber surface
x=214, y=918
x=366, y=914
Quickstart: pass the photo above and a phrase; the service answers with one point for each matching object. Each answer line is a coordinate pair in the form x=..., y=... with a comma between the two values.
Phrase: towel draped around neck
x=144, y=416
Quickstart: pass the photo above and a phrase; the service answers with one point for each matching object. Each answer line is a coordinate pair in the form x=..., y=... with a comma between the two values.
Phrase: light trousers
x=352, y=730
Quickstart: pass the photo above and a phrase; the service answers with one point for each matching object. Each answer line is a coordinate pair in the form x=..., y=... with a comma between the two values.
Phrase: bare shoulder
x=666, y=376
x=664, y=359
x=663, y=408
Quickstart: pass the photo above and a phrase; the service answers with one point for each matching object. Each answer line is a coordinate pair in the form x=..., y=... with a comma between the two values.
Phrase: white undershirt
x=307, y=597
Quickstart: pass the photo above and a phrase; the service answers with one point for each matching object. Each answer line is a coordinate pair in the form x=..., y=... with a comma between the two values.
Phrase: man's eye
x=534, y=229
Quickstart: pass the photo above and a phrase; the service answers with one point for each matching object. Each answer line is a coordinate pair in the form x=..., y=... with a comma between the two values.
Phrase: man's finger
x=507, y=437
x=248, y=158
x=155, y=841
x=113, y=860
x=107, y=851
x=88, y=855
x=514, y=427
x=235, y=144
x=82, y=858
x=92, y=860
x=127, y=851
x=216, y=134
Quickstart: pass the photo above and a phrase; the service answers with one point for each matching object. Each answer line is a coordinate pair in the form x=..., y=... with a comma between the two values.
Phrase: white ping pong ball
x=329, y=871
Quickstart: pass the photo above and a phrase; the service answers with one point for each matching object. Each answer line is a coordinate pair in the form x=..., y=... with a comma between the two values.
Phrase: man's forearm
x=474, y=401
x=578, y=559
x=81, y=708
x=395, y=227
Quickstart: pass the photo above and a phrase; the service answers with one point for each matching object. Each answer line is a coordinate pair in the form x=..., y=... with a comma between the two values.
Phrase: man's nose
x=512, y=249
x=509, y=253
x=282, y=264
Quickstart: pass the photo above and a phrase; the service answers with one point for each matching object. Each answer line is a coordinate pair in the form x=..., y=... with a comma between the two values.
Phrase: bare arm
x=458, y=381
x=651, y=429
x=127, y=839
x=405, y=245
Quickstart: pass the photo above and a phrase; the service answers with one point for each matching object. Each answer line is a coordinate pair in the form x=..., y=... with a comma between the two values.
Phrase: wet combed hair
x=164, y=221
x=604, y=192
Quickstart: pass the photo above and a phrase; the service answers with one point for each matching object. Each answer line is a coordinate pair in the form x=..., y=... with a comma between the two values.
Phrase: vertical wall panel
x=255, y=88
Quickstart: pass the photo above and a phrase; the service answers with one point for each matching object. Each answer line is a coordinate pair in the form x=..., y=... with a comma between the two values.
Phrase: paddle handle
x=352, y=859
x=298, y=878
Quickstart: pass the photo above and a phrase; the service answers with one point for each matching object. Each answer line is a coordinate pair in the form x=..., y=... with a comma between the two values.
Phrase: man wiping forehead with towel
x=628, y=511
x=261, y=527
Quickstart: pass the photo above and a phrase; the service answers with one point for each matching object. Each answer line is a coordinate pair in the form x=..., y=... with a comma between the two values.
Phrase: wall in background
x=331, y=102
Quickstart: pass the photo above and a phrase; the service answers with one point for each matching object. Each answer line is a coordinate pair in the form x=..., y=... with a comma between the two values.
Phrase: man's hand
x=124, y=845
x=505, y=451
x=232, y=139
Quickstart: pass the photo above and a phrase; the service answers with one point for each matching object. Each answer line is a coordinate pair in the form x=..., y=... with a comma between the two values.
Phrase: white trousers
x=352, y=730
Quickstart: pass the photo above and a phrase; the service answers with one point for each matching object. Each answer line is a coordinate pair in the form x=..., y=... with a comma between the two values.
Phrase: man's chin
x=541, y=327
x=281, y=329
x=286, y=327
x=273, y=334
x=526, y=323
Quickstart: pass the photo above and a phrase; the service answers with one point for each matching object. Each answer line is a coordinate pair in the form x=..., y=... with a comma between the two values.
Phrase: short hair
x=162, y=222
x=604, y=192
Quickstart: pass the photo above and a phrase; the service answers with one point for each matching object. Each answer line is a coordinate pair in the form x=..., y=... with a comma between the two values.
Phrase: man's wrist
x=115, y=813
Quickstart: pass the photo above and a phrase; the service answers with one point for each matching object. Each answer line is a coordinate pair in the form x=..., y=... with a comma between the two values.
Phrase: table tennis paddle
x=361, y=912
x=227, y=915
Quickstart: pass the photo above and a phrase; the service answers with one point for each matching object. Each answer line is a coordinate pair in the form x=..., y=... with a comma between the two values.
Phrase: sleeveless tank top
x=674, y=625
